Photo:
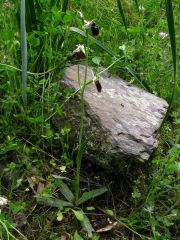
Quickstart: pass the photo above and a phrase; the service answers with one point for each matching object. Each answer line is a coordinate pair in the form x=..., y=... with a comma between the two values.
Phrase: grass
x=145, y=205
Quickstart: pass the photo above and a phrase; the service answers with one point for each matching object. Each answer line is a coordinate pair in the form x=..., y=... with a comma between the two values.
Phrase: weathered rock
x=120, y=122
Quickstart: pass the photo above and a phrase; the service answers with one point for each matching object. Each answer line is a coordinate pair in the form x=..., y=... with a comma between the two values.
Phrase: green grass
x=146, y=205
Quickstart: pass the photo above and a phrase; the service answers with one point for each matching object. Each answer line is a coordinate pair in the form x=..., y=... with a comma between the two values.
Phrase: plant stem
x=82, y=90
x=24, y=51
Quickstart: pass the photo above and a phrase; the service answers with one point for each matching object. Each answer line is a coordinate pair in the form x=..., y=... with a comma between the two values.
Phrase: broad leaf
x=77, y=236
x=92, y=194
x=109, y=212
x=66, y=192
x=53, y=202
x=59, y=216
x=90, y=208
x=96, y=60
x=79, y=215
x=87, y=226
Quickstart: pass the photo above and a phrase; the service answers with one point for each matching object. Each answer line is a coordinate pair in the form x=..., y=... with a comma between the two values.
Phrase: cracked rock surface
x=120, y=121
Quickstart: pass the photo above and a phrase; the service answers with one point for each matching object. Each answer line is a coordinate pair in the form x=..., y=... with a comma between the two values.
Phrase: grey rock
x=120, y=121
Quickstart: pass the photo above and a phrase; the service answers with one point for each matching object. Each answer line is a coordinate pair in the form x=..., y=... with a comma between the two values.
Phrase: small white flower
x=141, y=8
x=80, y=48
x=122, y=47
x=80, y=15
x=163, y=35
x=87, y=24
x=94, y=79
x=149, y=209
x=3, y=201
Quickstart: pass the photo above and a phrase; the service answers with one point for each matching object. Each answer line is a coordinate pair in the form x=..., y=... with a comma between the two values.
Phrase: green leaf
x=59, y=110
x=59, y=216
x=86, y=224
x=77, y=236
x=79, y=215
x=66, y=192
x=90, y=208
x=122, y=13
x=53, y=202
x=67, y=18
x=96, y=60
x=38, y=119
x=34, y=41
x=98, y=43
x=6, y=35
x=17, y=206
x=109, y=212
x=91, y=194
x=95, y=237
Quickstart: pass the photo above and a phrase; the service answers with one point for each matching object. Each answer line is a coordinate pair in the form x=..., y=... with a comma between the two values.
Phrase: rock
x=120, y=121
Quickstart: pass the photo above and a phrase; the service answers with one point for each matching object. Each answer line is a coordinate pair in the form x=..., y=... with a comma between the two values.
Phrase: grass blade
x=143, y=83
x=52, y=3
x=137, y=4
x=91, y=194
x=171, y=28
x=122, y=13
x=65, y=5
x=38, y=7
x=23, y=49
x=31, y=22
x=170, y=21
x=98, y=43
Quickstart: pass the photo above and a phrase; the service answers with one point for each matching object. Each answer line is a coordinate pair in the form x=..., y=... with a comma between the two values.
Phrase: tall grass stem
x=121, y=11
x=23, y=49
x=81, y=144
x=171, y=28
x=65, y=5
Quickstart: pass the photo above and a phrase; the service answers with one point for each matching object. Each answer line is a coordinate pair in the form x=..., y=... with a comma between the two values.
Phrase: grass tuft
x=121, y=11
